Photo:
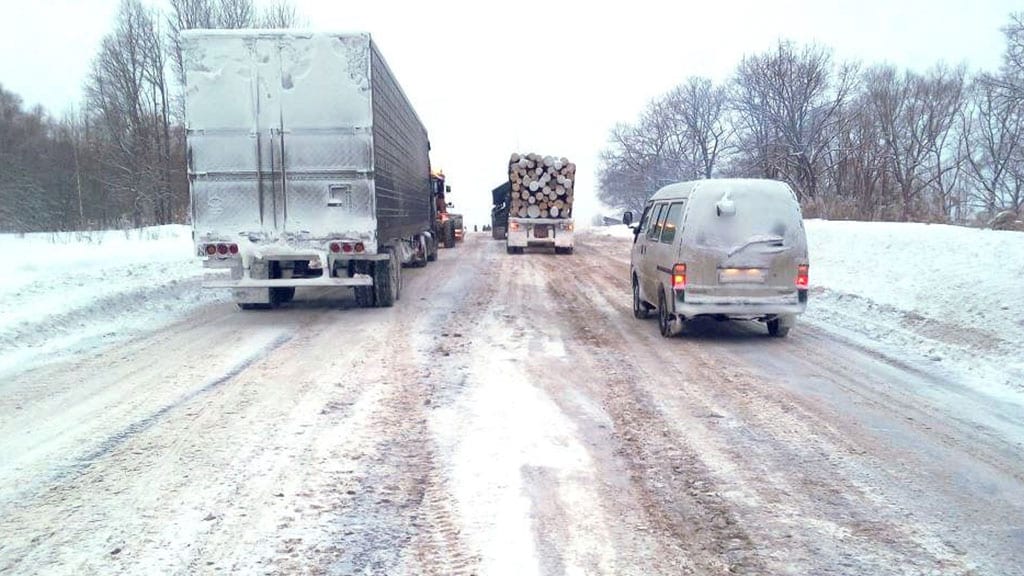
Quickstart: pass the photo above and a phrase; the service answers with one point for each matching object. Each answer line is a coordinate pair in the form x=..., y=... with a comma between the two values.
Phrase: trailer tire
x=248, y=307
x=417, y=260
x=432, y=250
x=387, y=280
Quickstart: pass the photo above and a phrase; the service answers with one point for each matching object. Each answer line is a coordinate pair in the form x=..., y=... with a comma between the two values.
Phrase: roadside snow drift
x=73, y=290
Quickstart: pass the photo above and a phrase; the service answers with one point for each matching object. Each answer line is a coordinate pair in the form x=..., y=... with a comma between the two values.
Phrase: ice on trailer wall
x=242, y=88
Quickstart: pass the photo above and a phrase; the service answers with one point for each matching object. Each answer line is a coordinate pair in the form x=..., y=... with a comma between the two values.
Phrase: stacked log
x=542, y=186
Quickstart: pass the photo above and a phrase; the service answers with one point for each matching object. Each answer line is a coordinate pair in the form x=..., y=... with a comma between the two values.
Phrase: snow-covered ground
x=69, y=291
x=947, y=298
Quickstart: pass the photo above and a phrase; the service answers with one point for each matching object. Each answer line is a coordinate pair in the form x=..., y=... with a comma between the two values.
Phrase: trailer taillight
x=802, y=277
x=360, y=248
x=679, y=277
x=513, y=226
x=346, y=248
x=211, y=249
x=222, y=249
x=335, y=247
x=233, y=248
x=567, y=226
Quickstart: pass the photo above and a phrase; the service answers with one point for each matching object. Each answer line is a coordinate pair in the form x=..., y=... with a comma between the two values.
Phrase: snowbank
x=71, y=290
x=972, y=278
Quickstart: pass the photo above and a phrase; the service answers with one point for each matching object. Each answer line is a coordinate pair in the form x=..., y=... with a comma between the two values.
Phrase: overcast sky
x=488, y=78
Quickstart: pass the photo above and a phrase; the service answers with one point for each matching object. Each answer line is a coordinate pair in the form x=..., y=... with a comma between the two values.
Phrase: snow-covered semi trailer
x=307, y=166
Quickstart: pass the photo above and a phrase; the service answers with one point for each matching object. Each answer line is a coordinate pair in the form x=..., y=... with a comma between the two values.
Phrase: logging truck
x=540, y=203
x=307, y=166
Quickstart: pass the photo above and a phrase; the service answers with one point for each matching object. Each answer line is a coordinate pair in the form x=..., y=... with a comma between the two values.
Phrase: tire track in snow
x=67, y=472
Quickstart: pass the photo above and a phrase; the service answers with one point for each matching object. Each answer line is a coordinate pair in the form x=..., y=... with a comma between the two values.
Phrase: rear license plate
x=540, y=231
x=740, y=276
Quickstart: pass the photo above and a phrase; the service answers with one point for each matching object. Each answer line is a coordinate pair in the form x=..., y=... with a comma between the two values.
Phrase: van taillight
x=679, y=277
x=802, y=278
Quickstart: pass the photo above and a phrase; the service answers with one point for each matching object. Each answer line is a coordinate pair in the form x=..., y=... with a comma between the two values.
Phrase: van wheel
x=779, y=327
x=640, y=309
x=664, y=319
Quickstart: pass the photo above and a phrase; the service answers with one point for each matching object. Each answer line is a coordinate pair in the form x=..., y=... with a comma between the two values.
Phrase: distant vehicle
x=444, y=223
x=307, y=166
x=729, y=249
x=540, y=204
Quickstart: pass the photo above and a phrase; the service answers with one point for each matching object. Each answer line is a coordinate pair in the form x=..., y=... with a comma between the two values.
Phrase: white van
x=727, y=248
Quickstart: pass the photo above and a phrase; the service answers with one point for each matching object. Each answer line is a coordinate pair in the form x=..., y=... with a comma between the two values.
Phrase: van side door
x=650, y=239
x=636, y=254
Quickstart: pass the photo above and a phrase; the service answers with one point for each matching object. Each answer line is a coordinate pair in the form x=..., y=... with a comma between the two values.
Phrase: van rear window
x=759, y=213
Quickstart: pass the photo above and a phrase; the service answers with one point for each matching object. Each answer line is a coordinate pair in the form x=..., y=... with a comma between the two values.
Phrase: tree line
x=853, y=141
x=118, y=159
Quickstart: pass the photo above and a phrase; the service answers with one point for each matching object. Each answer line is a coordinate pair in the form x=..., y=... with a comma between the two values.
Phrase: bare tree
x=995, y=129
x=917, y=115
x=280, y=14
x=697, y=110
x=234, y=14
x=789, y=101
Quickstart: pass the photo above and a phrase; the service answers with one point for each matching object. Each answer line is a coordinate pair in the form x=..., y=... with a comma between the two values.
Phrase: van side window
x=645, y=219
x=654, y=232
x=672, y=222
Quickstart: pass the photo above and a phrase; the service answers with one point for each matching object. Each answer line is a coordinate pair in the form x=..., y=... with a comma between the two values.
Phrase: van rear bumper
x=690, y=306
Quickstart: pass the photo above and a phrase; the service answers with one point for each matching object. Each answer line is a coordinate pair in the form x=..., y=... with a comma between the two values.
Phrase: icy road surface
x=507, y=416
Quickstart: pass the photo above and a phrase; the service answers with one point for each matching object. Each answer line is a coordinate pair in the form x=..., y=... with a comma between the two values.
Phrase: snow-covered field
x=69, y=291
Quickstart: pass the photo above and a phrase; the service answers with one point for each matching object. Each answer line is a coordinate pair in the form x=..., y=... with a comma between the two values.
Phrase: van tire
x=664, y=319
x=641, y=311
x=778, y=328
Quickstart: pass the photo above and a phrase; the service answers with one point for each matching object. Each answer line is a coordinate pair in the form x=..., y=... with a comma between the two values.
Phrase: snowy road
x=508, y=416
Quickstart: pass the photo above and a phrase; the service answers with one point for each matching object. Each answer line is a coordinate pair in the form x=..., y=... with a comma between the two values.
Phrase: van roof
x=685, y=189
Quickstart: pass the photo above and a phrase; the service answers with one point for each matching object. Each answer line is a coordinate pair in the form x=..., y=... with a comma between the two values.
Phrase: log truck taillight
x=802, y=278
x=679, y=277
x=513, y=226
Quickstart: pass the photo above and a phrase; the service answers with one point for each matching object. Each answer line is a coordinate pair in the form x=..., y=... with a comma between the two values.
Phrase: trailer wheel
x=387, y=280
x=432, y=250
x=420, y=261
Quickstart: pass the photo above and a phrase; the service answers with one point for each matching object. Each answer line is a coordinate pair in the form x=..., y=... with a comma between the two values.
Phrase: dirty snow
x=69, y=291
